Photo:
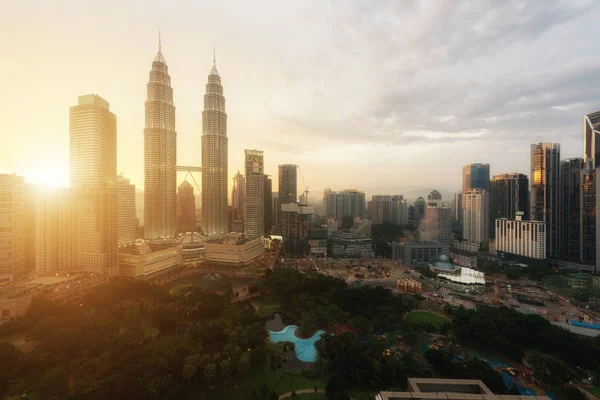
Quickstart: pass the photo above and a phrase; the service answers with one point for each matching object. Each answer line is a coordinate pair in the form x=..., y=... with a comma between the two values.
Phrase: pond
x=305, y=348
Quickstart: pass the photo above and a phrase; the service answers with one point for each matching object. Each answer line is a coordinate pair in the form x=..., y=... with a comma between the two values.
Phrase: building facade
x=92, y=142
x=476, y=216
x=186, y=208
x=589, y=215
x=141, y=260
x=55, y=232
x=254, y=204
x=288, y=186
x=350, y=202
x=417, y=254
x=237, y=196
x=160, y=153
x=233, y=250
x=349, y=245
x=126, y=213
x=570, y=210
x=297, y=222
x=12, y=227
x=591, y=138
x=268, y=207
x=419, y=210
x=381, y=208
x=523, y=238
x=399, y=210
x=509, y=193
x=476, y=176
x=544, y=192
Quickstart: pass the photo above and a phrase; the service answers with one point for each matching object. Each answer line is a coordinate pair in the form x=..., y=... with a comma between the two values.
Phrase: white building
x=233, y=250
x=437, y=223
x=523, y=238
x=476, y=216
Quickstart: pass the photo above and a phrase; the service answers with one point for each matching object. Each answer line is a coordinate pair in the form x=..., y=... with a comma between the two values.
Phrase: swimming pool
x=305, y=348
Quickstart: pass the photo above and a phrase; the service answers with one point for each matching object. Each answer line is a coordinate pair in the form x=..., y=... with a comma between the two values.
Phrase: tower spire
x=214, y=54
x=159, y=41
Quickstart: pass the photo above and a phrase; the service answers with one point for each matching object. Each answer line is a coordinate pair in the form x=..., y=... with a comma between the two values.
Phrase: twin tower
x=160, y=155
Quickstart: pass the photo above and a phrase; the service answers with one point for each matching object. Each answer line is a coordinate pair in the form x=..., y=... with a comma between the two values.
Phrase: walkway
x=304, y=391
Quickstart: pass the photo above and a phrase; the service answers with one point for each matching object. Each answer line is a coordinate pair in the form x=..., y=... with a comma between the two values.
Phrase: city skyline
x=548, y=107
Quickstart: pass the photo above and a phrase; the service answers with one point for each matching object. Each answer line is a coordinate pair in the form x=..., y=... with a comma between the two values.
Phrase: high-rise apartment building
x=96, y=213
x=591, y=138
x=214, y=156
x=160, y=153
x=254, y=204
x=436, y=225
x=509, y=193
x=476, y=176
x=92, y=142
x=12, y=227
x=348, y=203
x=544, y=192
x=186, y=208
x=268, y=196
x=570, y=209
x=237, y=196
x=476, y=216
x=521, y=238
x=381, y=208
x=55, y=232
x=126, y=213
x=589, y=209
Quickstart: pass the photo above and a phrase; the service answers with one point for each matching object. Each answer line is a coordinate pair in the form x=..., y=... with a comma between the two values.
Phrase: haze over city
x=385, y=97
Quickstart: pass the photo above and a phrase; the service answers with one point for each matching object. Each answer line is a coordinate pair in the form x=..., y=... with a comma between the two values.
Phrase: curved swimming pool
x=305, y=348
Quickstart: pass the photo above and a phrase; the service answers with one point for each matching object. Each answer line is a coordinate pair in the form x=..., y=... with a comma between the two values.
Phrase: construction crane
x=306, y=191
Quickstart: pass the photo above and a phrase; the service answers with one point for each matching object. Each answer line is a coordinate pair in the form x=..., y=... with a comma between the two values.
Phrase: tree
x=54, y=384
x=448, y=308
x=294, y=395
x=273, y=396
x=264, y=391
x=335, y=389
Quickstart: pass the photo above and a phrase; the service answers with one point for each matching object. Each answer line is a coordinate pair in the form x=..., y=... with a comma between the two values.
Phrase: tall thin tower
x=160, y=153
x=214, y=156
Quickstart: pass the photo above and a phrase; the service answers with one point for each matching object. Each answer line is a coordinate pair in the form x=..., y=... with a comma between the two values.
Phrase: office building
x=237, y=199
x=349, y=245
x=288, y=186
x=464, y=253
x=476, y=216
x=296, y=222
x=144, y=261
x=268, y=196
x=570, y=209
x=92, y=142
x=325, y=201
x=30, y=216
x=160, y=153
x=55, y=232
x=591, y=135
x=254, y=204
x=457, y=209
x=275, y=210
x=318, y=241
x=419, y=213
x=233, y=250
x=589, y=204
x=418, y=254
x=437, y=224
x=126, y=213
x=214, y=156
x=381, y=209
x=544, y=187
x=186, y=208
x=96, y=213
x=509, y=193
x=476, y=176
x=12, y=227
x=521, y=238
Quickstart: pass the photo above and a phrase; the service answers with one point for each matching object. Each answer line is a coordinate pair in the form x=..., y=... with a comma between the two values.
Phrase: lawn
x=594, y=390
x=266, y=308
x=418, y=317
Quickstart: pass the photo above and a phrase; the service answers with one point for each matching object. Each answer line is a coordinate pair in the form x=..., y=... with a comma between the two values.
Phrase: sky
x=388, y=97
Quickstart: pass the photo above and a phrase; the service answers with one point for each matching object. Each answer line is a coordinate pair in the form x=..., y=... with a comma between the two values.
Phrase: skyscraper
x=437, y=222
x=476, y=176
x=126, y=218
x=55, y=232
x=509, y=193
x=254, y=212
x=237, y=196
x=589, y=210
x=476, y=216
x=186, y=208
x=570, y=209
x=288, y=186
x=591, y=138
x=268, y=196
x=92, y=142
x=350, y=202
x=419, y=210
x=544, y=192
x=12, y=220
x=214, y=156
x=160, y=153
x=381, y=208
